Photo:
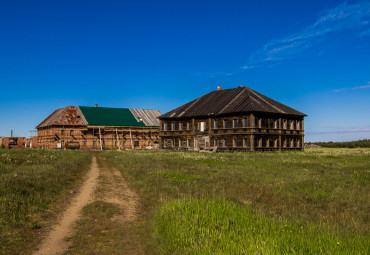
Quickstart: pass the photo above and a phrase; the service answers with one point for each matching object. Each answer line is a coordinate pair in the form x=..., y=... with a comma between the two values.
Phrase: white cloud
x=341, y=18
x=354, y=88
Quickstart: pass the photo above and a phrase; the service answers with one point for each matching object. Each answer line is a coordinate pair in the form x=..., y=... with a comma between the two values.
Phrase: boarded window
x=245, y=122
x=202, y=126
x=246, y=142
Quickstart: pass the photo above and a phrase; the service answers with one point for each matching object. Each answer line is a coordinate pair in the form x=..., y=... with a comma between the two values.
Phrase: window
x=245, y=142
x=94, y=143
x=84, y=143
x=235, y=142
x=62, y=132
x=189, y=125
x=275, y=142
x=224, y=142
x=165, y=126
x=298, y=124
x=235, y=123
x=245, y=122
x=124, y=143
x=180, y=125
x=180, y=142
x=225, y=123
x=136, y=144
x=215, y=124
x=275, y=123
x=202, y=126
x=188, y=143
x=116, y=143
x=216, y=142
x=173, y=126
x=71, y=132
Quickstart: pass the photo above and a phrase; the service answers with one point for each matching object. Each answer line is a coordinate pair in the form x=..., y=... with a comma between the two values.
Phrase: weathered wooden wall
x=89, y=137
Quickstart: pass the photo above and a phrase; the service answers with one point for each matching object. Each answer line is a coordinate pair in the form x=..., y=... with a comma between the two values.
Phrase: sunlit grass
x=204, y=226
x=31, y=180
x=321, y=189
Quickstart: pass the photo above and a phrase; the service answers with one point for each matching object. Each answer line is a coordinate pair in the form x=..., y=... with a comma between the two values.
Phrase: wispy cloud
x=213, y=74
x=354, y=88
x=341, y=18
x=343, y=131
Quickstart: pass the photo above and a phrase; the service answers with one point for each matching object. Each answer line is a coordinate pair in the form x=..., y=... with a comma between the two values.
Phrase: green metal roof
x=103, y=116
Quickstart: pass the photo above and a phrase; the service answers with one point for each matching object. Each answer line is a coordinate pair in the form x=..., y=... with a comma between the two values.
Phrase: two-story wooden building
x=232, y=119
x=99, y=127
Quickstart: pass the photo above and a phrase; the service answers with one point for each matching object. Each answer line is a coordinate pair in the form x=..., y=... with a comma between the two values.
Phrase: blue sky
x=310, y=55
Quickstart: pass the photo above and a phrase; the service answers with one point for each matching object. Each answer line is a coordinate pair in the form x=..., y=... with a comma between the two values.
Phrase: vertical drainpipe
x=302, y=131
x=193, y=131
x=280, y=134
x=252, y=135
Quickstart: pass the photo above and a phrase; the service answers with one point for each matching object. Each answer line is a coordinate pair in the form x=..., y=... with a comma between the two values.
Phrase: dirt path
x=55, y=242
x=105, y=184
x=116, y=191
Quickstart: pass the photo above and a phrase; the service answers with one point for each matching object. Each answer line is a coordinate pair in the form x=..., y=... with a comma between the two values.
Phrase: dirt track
x=116, y=191
x=55, y=242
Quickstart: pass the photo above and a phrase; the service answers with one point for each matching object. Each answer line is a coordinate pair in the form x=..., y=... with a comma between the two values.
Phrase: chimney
x=96, y=105
x=219, y=88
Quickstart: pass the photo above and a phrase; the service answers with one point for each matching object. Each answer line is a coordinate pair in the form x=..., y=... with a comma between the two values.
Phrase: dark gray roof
x=230, y=101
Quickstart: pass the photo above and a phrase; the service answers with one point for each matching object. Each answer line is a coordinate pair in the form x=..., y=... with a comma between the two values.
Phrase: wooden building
x=232, y=119
x=99, y=127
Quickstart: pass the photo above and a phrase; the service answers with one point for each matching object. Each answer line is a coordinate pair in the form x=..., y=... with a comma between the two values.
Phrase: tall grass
x=201, y=226
x=30, y=181
x=323, y=190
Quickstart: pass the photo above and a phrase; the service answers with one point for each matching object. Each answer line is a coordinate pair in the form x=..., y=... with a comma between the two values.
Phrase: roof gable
x=228, y=101
x=63, y=116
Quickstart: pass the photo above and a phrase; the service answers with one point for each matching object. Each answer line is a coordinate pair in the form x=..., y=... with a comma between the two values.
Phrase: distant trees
x=365, y=143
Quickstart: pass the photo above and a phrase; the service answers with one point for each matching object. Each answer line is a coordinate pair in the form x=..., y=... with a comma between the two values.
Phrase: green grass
x=96, y=233
x=323, y=191
x=31, y=181
x=203, y=226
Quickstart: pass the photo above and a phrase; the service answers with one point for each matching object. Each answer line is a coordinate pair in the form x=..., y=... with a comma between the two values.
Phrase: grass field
x=31, y=181
x=312, y=202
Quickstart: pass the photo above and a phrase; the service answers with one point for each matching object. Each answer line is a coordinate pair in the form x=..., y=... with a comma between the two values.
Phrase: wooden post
x=118, y=144
x=101, y=145
x=132, y=145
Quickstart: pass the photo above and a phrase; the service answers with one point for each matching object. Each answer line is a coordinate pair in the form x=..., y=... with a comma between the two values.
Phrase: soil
x=116, y=191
